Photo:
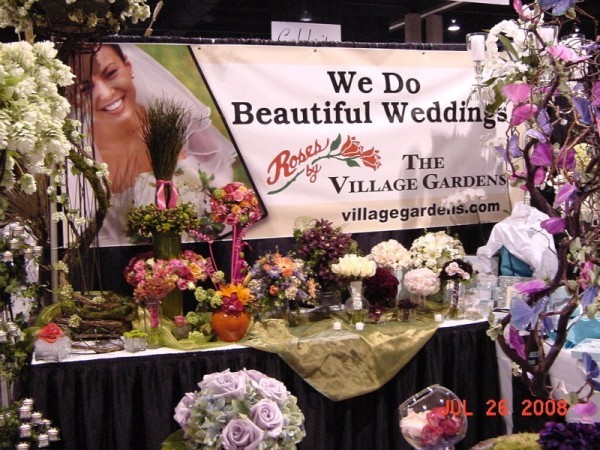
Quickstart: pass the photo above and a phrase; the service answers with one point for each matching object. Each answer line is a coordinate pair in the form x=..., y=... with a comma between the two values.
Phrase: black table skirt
x=128, y=403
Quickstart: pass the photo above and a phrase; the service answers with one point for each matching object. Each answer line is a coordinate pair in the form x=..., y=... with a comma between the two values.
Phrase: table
x=127, y=403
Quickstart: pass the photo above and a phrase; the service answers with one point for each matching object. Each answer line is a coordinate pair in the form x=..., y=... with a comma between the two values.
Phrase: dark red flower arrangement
x=381, y=289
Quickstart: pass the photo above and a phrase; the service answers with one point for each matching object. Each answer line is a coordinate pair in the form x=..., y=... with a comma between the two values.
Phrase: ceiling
x=360, y=20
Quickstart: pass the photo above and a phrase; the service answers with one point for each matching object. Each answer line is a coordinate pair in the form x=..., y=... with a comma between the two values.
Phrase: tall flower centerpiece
x=321, y=244
x=153, y=279
x=544, y=81
x=355, y=268
x=235, y=410
x=281, y=283
x=456, y=272
x=237, y=206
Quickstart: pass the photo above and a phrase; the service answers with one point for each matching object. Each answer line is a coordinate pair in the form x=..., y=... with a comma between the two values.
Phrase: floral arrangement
x=421, y=282
x=354, y=267
x=229, y=297
x=34, y=116
x=391, y=255
x=457, y=270
x=145, y=220
x=276, y=280
x=245, y=409
x=549, y=93
x=434, y=249
x=320, y=244
x=381, y=291
x=432, y=428
x=81, y=14
x=464, y=196
x=569, y=436
x=152, y=278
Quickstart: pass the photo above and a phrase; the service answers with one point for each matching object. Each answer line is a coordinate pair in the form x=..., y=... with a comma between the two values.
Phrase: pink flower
x=554, y=225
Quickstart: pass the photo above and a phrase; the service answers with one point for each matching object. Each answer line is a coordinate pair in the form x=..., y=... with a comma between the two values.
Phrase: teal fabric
x=512, y=266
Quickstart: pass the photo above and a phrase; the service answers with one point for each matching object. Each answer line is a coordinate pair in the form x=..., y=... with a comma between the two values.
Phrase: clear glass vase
x=356, y=305
x=433, y=419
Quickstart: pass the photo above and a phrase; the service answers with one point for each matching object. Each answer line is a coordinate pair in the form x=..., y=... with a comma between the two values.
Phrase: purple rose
x=182, y=410
x=241, y=434
x=225, y=384
x=267, y=416
x=254, y=375
x=272, y=389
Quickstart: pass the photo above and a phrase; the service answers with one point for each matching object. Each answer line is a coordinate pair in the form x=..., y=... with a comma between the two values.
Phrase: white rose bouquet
x=390, y=255
x=354, y=267
x=422, y=281
x=433, y=250
x=244, y=409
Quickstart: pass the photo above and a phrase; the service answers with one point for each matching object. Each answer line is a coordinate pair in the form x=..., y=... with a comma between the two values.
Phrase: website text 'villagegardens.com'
x=361, y=213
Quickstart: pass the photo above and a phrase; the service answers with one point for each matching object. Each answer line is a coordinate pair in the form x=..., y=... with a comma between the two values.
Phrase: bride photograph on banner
x=120, y=81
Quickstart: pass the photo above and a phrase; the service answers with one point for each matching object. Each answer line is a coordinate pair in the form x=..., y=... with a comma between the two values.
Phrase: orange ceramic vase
x=230, y=327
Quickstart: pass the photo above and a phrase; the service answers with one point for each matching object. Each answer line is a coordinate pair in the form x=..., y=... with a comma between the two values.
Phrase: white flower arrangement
x=33, y=117
x=422, y=281
x=86, y=14
x=433, y=250
x=463, y=197
x=354, y=267
x=390, y=255
x=244, y=409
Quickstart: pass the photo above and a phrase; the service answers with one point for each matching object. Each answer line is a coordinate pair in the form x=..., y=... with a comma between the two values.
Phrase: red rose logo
x=351, y=148
x=371, y=158
x=50, y=333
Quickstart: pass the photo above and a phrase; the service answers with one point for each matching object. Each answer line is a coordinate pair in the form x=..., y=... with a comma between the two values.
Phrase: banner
x=374, y=139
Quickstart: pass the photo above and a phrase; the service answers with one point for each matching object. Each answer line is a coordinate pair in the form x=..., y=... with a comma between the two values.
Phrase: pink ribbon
x=161, y=195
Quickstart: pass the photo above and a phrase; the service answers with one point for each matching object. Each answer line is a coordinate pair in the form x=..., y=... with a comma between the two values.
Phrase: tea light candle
x=3, y=336
x=38, y=250
x=28, y=402
x=25, y=430
x=14, y=243
x=359, y=326
x=28, y=253
x=36, y=417
x=53, y=434
x=43, y=441
x=22, y=446
x=438, y=317
x=337, y=325
x=25, y=412
x=18, y=229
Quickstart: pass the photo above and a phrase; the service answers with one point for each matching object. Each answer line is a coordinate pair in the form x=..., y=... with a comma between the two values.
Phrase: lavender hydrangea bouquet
x=245, y=409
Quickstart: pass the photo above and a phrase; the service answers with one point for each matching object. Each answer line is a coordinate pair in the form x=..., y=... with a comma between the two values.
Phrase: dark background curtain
x=128, y=403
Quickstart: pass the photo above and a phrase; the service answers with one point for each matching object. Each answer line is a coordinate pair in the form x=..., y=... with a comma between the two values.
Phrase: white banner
x=301, y=115
x=374, y=139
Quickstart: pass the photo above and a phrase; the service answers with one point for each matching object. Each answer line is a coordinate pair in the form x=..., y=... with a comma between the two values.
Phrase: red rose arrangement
x=381, y=290
x=50, y=333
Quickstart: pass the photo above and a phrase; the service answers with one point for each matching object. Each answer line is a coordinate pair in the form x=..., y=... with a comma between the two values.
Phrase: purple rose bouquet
x=244, y=409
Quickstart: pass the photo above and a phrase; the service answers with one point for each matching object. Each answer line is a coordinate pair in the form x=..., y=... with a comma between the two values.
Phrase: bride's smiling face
x=112, y=88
